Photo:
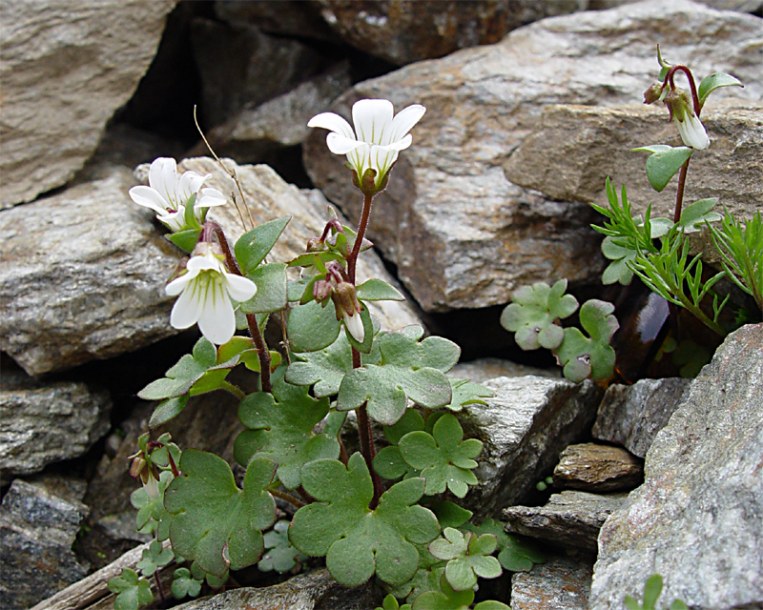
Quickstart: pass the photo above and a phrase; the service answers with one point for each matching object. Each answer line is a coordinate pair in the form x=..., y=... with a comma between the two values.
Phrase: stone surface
x=449, y=195
x=524, y=426
x=42, y=423
x=67, y=67
x=631, y=416
x=483, y=369
x=559, y=584
x=239, y=65
x=298, y=18
x=599, y=468
x=570, y=518
x=575, y=148
x=696, y=519
x=312, y=591
x=38, y=524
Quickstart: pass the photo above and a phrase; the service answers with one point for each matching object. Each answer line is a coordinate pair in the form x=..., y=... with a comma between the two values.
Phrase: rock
x=559, y=584
x=524, y=426
x=313, y=591
x=258, y=131
x=598, y=468
x=237, y=64
x=38, y=524
x=285, y=17
x=67, y=67
x=575, y=148
x=483, y=369
x=631, y=416
x=449, y=195
x=43, y=423
x=570, y=518
x=696, y=519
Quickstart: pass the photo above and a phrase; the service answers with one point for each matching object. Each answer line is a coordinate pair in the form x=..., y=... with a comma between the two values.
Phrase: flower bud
x=653, y=94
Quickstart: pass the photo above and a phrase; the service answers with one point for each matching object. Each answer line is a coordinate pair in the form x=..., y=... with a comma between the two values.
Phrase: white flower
x=355, y=325
x=692, y=131
x=169, y=191
x=378, y=137
x=206, y=293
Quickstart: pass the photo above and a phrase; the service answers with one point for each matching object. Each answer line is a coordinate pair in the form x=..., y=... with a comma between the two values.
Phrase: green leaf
x=213, y=521
x=450, y=514
x=189, y=213
x=694, y=216
x=652, y=591
x=663, y=163
x=444, y=459
x=378, y=290
x=280, y=555
x=152, y=517
x=132, y=592
x=715, y=81
x=184, y=584
x=591, y=356
x=271, y=289
x=534, y=312
x=631, y=603
x=467, y=393
x=359, y=542
x=446, y=598
x=468, y=557
x=154, y=557
x=618, y=270
x=325, y=368
x=280, y=429
x=368, y=332
x=491, y=604
x=312, y=327
x=168, y=409
x=185, y=240
x=252, y=247
x=391, y=603
x=517, y=555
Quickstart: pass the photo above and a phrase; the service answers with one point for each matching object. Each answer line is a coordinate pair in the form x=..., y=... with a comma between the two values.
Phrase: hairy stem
x=362, y=226
x=680, y=191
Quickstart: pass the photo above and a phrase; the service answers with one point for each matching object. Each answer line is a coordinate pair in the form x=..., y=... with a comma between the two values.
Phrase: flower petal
x=205, y=262
x=332, y=122
x=179, y=284
x=239, y=288
x=355, y=325
x=149, y=198
x=693, y=132
x=163, y=177
x=209, y=198
x=340, y=145
x=188, y=308
x=404, y=122
x=217, y=321
x=372, y=118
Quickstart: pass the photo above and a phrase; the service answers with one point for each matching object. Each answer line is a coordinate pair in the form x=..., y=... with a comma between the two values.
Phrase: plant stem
x=294, y=501
x=670, y=77
x=362, y=226
x=680, y=192
x=254, y=328
x=233, y=389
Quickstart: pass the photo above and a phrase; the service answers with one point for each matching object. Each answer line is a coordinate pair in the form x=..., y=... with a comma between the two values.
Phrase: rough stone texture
x=489, y=368
x=744, y=6
x=85, y=270
x=575, y=148
x=570, y=518
x=254, y=132
x=696, y=519
x=632, y=416
x=449, y=196
x=298, y=18
x=38, y=524
x=314, y=591
x=599, y=468
x=559, y=584
x=43, y=423
x=524, y=427
x=239, y=65
x=67, y=66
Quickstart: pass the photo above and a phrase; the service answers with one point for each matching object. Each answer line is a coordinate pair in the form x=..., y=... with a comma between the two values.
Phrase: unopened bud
x=653, y=94
x=321, y=290
x=136, y=466
x=345, y=300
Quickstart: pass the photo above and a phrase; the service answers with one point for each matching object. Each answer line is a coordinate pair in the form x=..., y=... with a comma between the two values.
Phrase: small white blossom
x=354, y=324
x=207, y=291
x=692, y=131
x=168, y=193
x=377, y=139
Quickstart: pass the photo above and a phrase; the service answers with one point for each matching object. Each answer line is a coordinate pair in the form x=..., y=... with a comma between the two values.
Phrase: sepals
x=687, y=122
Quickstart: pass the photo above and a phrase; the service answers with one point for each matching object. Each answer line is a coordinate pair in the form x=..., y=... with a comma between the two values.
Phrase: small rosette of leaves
x=152, y=517
x=590, y=356
x=132, y=591
x=280, y=555
x=356, y=540
x=212, y=521
x=187, y=582
x=534, y=313
x=468, y=557
x=447, y=598
x=154, y=557
x=280, y=429
x=514, y=553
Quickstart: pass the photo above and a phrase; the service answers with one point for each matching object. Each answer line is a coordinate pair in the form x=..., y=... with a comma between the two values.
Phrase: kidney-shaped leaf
x=592, y=356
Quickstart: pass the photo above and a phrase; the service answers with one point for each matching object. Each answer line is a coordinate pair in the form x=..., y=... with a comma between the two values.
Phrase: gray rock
x=449, y=195
x=298, y=18
x=38, y=524
x=575, y=148
x=43, y=423
x=696, y=519
x=570, y=518
x=489, y=368
x=67, y=67
x=313, y=591
x=559, y=584
x=597, y=468
x=632, y=416
x=524, y=427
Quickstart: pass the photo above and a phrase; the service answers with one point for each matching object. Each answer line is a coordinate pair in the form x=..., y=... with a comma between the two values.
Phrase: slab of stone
x=67, y=67
x=284, y=17
x=483, y=369
x=632, y=416
x=696, y=519
x=569, y=518
x=313, y=591
x=43, y=423
x=449, y=195
x=597, y=468
x=38, y=524
x=524, y=427
x=559, y=584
